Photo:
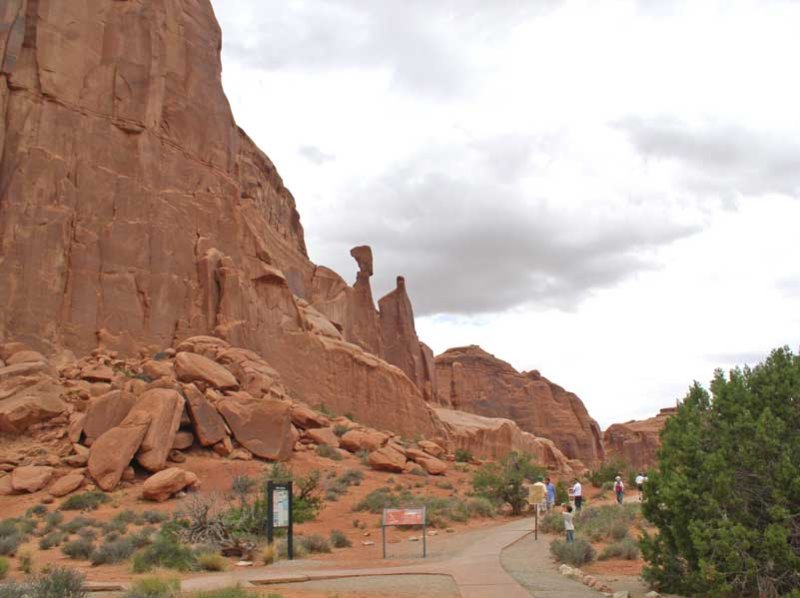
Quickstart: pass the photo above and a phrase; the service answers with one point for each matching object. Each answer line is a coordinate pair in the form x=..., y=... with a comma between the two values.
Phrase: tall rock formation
x=636, y=443
x=401, y=344
x=135, y=213
x=472, y=380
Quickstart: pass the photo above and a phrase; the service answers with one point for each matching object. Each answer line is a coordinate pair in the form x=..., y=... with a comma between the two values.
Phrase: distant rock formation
x=636, y=443
x=470, y=379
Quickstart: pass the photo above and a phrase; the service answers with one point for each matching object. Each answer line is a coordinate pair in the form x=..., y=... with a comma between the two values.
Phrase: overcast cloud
x=607, y=192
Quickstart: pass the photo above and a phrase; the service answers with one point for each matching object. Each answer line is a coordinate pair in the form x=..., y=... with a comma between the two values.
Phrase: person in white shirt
x=577, y=495
x=640, y=484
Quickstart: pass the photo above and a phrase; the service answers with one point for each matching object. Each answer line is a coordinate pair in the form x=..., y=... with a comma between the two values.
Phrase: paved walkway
x=475, y=568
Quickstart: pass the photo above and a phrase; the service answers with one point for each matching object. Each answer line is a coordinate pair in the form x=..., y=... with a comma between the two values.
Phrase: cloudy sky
x=608, y=192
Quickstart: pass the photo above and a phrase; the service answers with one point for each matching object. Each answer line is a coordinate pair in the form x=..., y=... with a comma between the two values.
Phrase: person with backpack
x=619, y=489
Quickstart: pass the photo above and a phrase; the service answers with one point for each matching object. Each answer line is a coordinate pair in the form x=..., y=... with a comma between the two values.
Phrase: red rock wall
x=636, y=443
x=472, y=380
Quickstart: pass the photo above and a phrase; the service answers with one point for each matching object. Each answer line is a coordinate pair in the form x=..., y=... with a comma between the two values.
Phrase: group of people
x=542, y=495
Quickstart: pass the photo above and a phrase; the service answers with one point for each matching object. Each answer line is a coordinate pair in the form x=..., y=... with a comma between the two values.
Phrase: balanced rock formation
x=472, y=380
x=636, y=443
x=135, y=213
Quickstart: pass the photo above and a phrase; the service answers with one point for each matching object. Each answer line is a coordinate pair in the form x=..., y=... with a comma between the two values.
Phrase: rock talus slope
x=135, y=213
x=470, y=379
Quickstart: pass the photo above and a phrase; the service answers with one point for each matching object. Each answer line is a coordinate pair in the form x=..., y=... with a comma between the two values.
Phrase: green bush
x=37, y=511
x=576, y=553
x=444, y=484
x=154, y=587
x=378, y=500
x=627, y=549
x=128, y=517
x=4, y=566
x=9, y=527
x=725, y=497
x=503, y=481
x=314, y=544
x=352, y=477
x=113, y=551
x=562, y=494
x=552, y=523
x=87, y=501
x=463, y=456
x=212, y=561
x=77, y=524
x=56, y=582
x=606, y=473
x=328, y=452
x=164, y=552
x=52, y=521
x=154, y=517
x=340, y=430
x=52, y=539
x=339, y=540
x=80, y=549
x=480, y=506
x=114, y=526
x=9, y=545
x=607, y=522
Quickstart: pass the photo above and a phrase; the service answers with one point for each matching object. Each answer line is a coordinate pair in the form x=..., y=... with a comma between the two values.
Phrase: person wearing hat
x=619, y=489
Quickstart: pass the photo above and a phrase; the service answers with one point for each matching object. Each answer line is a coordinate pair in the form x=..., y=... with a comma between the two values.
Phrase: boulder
x=306, y=418
x=31, y=478
x=387, y=459
x=209, y=427
x=191, y=367
x=160, y=486
x=107, y=411
x=7, y=350
x=75, y=428
x=430, y=464
x=6, y=489
x=69, y=483
x=158, y=369
x=183, y=440
x=432, y=448
x=165, y=407
x=323, y=436
x=262, y=426
x=26, y=357
x=34, y=400
x=358, y=440
x=110, y=454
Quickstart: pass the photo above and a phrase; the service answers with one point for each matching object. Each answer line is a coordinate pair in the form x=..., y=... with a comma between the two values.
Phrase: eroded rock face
x=636, y=443
x=472, y=380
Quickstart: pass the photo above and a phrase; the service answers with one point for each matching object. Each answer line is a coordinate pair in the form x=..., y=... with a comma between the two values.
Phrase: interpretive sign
x=279, y=512
x=402, y=517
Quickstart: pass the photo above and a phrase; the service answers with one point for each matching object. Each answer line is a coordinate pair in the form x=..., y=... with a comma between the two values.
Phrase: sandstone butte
x=636, y=443
x=470, y=379
x=135, y=213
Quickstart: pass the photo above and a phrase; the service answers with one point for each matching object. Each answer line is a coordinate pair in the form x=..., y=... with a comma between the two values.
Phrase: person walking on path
x=569, y=525
x=551, y=493
x=577, y=495
x=619, y=489
x=640, y=484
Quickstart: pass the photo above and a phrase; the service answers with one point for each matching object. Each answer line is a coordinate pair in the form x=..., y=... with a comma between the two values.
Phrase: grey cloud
x=720, y=158
x=420, y=42
x=476, y=243
x=737, y=359
x=315, y=154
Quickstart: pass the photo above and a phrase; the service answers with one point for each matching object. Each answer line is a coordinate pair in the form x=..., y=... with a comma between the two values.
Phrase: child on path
x=619, y=489
x=569, y=526
x=551, y=493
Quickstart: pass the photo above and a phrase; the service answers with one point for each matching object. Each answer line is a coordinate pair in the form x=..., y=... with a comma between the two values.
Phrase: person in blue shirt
x=551, y=493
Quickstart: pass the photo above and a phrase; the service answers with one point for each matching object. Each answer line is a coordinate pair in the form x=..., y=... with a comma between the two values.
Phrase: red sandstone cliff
x=637, y=442
x=470, y=379
x=135, y=213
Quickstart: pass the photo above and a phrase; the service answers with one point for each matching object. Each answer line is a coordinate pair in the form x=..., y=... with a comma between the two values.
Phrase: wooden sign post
x=401, y=517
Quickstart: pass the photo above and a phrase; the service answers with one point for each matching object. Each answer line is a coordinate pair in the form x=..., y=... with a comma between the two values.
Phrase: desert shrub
x=552, y=523
x=90, y=533
x=314, y=544
x=86, y=501
x=328, y=452
x=231, y=592
x=143, y=537
x=129, y=517
x=154, y=587
x=463, y=456
x=25, y=561
x=77, y=524
x=377, y=500
x=154, y=517
x=212, y=561
x=52, y=539
x=363, y=457
x=114, y=551
x=562, y=494
x=9, y=527
x=165, y=552
x=52, y=521
x=502, y=482
x=352, y=477
x=480, y=506
x=9, y=544
x=607, y=522
x=725, y=497
x=269, y=554
x=36, y=511
x=606, y=473
x=576, y=553
x=4, y=566
x=444, y=484
x=56, y=582
x=114, y=526
x=340, y=429
x=306, y=494
x=282, y=549
x=339, y=540
x=627, y=549
x=417, y=470
x=79, y=549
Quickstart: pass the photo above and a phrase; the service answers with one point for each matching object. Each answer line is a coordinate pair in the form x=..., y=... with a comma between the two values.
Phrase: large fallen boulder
x=262, y=426
x=160, y=486
x=31, y=478
x=106, y=412
x=323, y=436
x=363, y=440
x=111, y=454
x=191, y=367
x=387, y=459
x=165, y=406
x=209, y=427
x=69, y=483
x=306, y=418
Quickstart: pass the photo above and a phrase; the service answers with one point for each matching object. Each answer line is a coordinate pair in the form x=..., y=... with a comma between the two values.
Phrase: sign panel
x=280, y=506
x=403, y=516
